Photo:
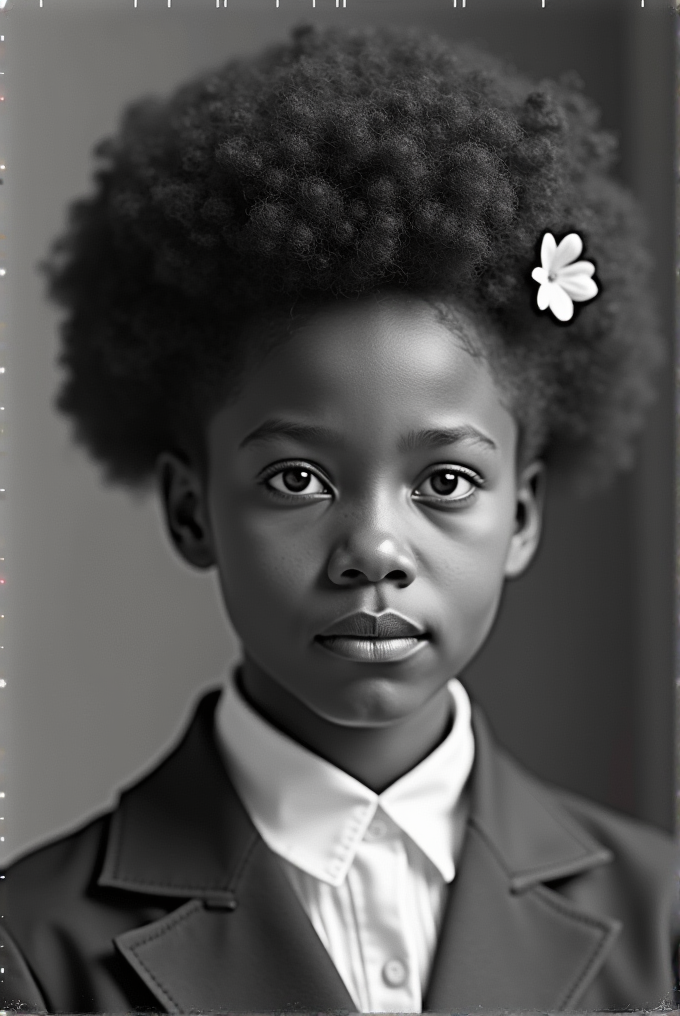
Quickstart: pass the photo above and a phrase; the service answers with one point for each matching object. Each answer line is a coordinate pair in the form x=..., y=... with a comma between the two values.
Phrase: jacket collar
x=521, y=820
x=183, y=832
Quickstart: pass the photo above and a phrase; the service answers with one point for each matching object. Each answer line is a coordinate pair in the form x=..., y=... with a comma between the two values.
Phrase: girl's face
x=368, y=467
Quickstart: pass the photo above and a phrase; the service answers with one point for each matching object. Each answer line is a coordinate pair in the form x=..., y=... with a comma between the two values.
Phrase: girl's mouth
x=371, y=650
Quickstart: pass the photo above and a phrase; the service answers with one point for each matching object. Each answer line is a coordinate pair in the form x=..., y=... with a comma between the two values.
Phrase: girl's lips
x=371, y=650
x=389, y=624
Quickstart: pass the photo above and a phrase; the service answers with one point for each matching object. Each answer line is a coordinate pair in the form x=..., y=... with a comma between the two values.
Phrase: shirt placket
x=378, y=882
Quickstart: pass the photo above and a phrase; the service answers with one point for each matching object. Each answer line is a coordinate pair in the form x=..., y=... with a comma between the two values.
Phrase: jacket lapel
x=264, y=955
x=508, y=941
x=241, y=942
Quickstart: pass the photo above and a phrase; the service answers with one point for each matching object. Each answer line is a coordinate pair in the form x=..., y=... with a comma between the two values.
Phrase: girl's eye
x=448, y=484
x=296, y=480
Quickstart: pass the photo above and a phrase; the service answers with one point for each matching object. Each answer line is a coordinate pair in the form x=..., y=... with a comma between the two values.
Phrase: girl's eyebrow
x=431, y=437
x=436, y=437
x=289, y=428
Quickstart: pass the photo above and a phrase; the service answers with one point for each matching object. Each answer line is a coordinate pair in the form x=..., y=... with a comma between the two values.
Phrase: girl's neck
x=376, y=756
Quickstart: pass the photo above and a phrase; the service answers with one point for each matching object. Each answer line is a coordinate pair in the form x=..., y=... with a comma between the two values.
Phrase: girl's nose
x=372, y=558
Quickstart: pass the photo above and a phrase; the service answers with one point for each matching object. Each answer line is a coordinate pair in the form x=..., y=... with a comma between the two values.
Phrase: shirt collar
x=315, y=815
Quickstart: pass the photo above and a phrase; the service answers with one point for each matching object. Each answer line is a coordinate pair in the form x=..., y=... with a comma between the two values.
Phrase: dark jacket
x=173, y=902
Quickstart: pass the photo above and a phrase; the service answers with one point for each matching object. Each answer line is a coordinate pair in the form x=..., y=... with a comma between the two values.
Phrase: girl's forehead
x=379, y=364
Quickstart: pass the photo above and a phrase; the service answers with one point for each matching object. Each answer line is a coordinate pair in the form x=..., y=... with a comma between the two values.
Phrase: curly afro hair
x=332, y=166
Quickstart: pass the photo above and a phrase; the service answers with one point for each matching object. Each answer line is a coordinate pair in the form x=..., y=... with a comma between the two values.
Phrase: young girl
x=347, y=304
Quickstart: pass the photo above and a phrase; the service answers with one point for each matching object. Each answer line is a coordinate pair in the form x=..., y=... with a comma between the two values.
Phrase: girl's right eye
x=296, y=480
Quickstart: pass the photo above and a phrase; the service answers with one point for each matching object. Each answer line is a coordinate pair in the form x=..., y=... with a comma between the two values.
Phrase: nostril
x=351, y=574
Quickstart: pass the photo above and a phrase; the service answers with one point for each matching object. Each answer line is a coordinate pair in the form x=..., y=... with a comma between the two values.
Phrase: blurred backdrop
x=108, y=637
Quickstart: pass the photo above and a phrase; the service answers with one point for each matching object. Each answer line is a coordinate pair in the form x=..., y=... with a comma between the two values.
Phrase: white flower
x=562, y=278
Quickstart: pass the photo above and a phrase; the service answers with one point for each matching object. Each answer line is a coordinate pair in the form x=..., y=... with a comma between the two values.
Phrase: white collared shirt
x=370, y=869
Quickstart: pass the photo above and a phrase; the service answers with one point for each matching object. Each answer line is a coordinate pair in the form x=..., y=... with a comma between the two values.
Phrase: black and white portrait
x=338, y=601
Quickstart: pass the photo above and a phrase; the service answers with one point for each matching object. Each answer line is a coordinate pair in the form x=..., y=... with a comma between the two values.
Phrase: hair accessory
x=562, y=278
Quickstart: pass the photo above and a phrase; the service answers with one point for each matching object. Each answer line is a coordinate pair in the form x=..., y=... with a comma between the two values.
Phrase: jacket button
x=394, y=973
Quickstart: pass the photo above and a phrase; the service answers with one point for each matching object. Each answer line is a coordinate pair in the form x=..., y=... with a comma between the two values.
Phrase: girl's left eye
x=296, y=480
x=449, y=485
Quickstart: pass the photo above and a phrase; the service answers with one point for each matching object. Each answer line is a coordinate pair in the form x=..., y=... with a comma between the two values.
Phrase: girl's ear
x=184, y=507
x=528, y=519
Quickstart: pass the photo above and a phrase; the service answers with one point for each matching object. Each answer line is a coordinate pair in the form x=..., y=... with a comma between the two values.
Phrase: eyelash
x=474, y=478
x=469, y=474
x=281, y=467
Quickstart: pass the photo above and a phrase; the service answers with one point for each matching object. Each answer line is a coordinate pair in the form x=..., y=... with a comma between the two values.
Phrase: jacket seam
x=238, y=874
x=490, y=845
x=14, y=953
x=136, y=886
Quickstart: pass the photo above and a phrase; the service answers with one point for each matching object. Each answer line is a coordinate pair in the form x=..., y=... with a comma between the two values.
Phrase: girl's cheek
x=277, y=566
x=476, y=544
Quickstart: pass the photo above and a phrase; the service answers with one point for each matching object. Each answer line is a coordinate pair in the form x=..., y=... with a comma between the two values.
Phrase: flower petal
x=548, y=248
x=539, y=275
x=579, y=287
x=567, y=251
x=578, y=268
x=560, y=303
x=543, y=295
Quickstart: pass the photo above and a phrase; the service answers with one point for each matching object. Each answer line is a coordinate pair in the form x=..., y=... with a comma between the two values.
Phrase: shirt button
x=376, y=830
x=394, y=973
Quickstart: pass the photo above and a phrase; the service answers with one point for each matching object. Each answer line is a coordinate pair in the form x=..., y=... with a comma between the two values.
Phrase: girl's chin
x=374, y=701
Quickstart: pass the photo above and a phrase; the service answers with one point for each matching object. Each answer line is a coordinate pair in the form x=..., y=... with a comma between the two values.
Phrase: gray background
x=108, y=636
